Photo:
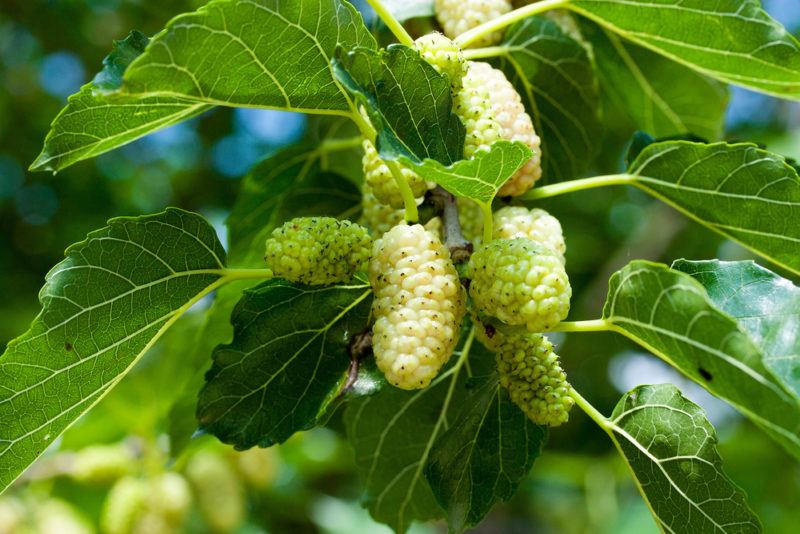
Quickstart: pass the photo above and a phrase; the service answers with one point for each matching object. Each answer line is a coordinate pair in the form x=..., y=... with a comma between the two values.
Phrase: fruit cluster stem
x=446, y=204
x=392, y=23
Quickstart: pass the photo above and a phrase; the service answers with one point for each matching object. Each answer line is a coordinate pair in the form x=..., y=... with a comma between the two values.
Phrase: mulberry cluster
x=515, y=124
x=535, y=224
x=419, y=305
x=458, y=16
x=317, y=250
x=381, y=180
x=532, y=374
x=444, y=55
x=519, y=282
x=473, y=105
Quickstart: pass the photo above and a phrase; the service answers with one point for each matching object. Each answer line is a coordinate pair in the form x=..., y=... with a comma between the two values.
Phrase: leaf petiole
x=470, y=36
x=392, y=23
x=601, y=420
x=596, y=325
x=572, y=186
x=483, y=53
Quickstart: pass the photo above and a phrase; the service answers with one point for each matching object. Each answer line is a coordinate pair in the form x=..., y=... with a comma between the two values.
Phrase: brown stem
x=446, y=204
x=360, y=347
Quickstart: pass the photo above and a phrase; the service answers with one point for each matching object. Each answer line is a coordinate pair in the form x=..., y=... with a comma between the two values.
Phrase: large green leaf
x=670, y=314
x=554, y=74
x=478, y=178
x=659, y=96
x=286, y=363
x=93, y=123
x=258, y=53
x=741, y=191
x=102, y=308
x=288, y=183
x=408, y=102
x=765, y=304
x=483, y=456
x=671, y=449
x=731, y=40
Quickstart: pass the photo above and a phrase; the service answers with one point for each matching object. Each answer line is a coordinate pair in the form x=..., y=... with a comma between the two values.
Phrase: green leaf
x=289, y=183
x=670, y=314
x=408, y=102
x=256, y=53
x=671, y=449
x=93, y=122
x=286, y=363
x=766, y=305
x=555, y=77
x=731, y=40
x=484, y=455
x=658, y=95
x=102, y=308
x=393, y=434
x=478, y=178
x=746, y=194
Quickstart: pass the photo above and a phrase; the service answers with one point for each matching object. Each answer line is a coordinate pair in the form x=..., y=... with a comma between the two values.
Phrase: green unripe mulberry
x=444, y=55
x=535, y=224
x=532, y=374
x=101, y=464
x=124, y=504
x=520, y=283
x=317, y=250
x=381, y=180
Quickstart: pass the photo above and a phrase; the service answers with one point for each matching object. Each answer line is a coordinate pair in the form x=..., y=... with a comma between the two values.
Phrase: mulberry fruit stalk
x=443, y=55
x=317, y=250
x=458, y=16
x=535, y=224
x=419, y=305
x=382, y=182
x=519, y=282
x=515, y=124
x=532, y=374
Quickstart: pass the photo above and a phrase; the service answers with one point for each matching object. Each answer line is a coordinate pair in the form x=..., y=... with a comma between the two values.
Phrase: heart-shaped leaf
x=741, y=191
x=286, y=363
x=102, y=308
x=671, y=449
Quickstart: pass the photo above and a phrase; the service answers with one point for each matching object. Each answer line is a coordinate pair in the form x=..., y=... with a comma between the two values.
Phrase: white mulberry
x=458, y=16
x=535, y=224
x=532, y=374
x=419, y=305
x=444, y=55
x=516, y=125
x=378, y=176
x=520, y=283
x=470, y=216
x=473, y=105
x=317, y=250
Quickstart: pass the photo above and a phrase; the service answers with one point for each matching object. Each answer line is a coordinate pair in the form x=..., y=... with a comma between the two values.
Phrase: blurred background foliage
x=48, y=49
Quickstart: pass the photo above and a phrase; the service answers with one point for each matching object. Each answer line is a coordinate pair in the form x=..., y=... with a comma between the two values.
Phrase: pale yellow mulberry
x=418, y=307
x=515, y=123
x=381, y=180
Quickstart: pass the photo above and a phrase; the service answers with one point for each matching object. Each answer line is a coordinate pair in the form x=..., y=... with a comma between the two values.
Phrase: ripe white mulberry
x=444, y=55
x=419, y=305
x=317, y=250
x=515, y=123
x=519, y=282
x=378, y=176
x=473, y=105
x=458, y=16
x=532, y=374
x=535, y=224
